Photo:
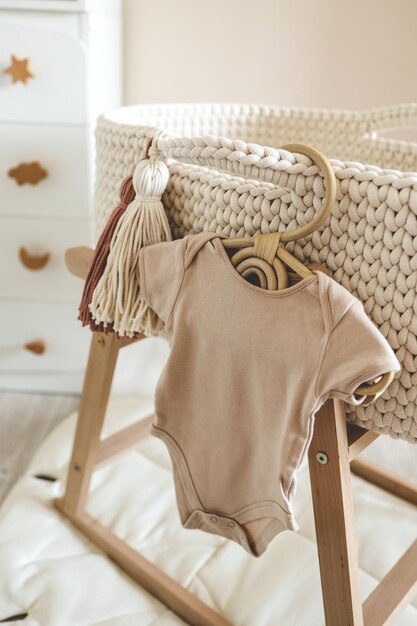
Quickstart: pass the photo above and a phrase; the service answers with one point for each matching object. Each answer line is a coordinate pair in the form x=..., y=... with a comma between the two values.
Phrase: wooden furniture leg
x=395, y=484
x=334, y=517
x=93, y=404
x=334, y=447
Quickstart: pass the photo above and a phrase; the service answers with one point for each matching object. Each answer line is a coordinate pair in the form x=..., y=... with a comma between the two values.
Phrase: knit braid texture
x=244, y=186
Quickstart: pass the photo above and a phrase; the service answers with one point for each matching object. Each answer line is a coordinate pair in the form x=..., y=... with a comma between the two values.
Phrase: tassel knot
x=150, y=179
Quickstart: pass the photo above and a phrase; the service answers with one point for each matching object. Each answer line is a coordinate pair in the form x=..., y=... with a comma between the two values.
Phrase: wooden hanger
x=264, y=255
x=268, y=248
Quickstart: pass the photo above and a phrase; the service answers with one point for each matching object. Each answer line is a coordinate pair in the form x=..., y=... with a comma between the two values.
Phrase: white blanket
x=51, y=572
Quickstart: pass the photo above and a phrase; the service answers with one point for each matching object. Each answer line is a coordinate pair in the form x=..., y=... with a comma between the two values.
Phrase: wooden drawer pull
x=19, y=70
x=28, y=173
x=37, y=347
x=33, y=261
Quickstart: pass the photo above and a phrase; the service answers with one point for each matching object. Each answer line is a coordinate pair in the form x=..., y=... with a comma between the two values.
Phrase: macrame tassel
x=117, y=300
x=99, y=258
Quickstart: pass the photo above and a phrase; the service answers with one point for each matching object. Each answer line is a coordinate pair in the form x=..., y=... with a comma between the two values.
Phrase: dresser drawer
x=43, y=170
x=51, y=330
x=33, y=265
x=56, y=91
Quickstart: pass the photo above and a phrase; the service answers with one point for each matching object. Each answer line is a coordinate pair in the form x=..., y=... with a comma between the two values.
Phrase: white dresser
x=60, y=67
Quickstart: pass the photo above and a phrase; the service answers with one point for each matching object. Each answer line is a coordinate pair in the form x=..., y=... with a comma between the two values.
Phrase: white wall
x=316, y=53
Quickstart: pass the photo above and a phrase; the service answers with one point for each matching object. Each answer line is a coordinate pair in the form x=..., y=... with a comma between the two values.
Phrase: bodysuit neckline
x=266, y=292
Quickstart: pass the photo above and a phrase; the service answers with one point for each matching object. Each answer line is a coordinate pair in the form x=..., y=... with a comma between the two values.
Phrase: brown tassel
x=101, y=252
x=99, y=258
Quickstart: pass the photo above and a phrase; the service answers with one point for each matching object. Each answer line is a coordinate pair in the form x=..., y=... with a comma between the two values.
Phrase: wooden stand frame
x=333, y=450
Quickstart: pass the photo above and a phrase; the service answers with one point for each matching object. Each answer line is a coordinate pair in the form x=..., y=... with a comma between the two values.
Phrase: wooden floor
x=25, y=421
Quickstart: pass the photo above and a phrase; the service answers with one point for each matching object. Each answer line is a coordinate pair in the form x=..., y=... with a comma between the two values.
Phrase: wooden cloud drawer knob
x=33, y=261
x=36, y=347
x=28, y=173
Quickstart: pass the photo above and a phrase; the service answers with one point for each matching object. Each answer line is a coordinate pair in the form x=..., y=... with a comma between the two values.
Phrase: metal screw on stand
x=322, y=458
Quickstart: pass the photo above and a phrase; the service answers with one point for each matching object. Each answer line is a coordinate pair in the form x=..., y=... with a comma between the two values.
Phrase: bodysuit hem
x=280, y=519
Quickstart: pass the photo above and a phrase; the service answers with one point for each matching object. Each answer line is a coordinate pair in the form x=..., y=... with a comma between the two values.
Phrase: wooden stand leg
x=333, y=449
x=393, y=483
x=334, y=518
x=93, y=404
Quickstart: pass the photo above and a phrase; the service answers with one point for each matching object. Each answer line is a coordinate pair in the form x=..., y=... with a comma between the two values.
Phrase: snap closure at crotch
x=218, y=525
x=253, y=535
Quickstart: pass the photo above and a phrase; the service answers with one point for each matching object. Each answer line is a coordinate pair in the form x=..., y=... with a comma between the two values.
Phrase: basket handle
x=253, y=161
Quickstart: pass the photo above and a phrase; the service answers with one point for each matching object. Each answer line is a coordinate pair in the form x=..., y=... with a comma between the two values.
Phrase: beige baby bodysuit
x=247, y=371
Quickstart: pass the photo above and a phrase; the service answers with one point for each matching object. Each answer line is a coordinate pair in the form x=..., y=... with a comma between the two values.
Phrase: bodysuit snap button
x=231, y=524
x=214, y=519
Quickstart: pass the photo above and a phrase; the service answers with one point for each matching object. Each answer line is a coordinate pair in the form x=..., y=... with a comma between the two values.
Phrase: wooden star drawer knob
x=33, y=261
x=36, y=347
x=19, y=70
x=28, y=173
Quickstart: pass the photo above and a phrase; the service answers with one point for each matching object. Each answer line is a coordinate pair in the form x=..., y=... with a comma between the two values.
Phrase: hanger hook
x=330, y=180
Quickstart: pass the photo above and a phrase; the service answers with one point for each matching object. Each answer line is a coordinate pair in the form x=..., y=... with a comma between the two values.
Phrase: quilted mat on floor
x=50, y=572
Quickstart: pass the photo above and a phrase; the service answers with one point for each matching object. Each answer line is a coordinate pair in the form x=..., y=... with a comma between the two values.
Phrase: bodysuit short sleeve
x=161, y=270
x=356, y=352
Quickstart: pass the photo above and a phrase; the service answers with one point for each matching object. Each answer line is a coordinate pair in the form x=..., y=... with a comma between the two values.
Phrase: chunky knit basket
x=228, y=175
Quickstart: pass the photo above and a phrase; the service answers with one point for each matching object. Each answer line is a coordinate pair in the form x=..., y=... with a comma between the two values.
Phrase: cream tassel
x=117, y=299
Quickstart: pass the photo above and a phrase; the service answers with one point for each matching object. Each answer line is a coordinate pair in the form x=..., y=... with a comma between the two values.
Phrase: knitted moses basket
x=227, y=175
